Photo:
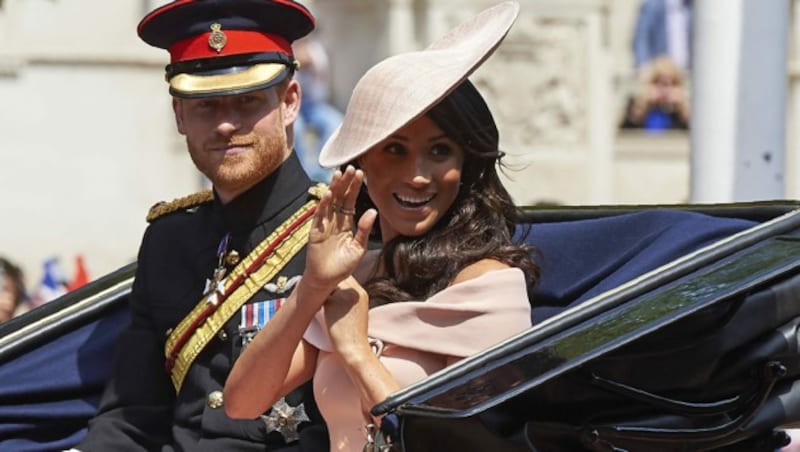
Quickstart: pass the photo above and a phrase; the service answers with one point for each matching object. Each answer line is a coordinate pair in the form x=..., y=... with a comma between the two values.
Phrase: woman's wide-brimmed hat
x=401, y=88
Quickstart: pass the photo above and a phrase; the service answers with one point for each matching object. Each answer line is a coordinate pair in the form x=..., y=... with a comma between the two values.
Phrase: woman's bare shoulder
x=477, y=269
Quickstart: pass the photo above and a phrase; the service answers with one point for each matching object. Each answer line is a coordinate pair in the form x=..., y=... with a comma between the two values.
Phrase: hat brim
x=231, y=82
x=402, y=88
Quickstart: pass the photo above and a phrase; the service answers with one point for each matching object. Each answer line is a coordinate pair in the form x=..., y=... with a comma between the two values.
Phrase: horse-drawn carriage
x=669, y=328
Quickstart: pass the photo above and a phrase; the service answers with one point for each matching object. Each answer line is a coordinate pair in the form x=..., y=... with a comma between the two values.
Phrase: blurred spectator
x=81, y=276
x=318, y=118
x=663, y=27
x=661, y=98
x=12, y=290
x=53, y=284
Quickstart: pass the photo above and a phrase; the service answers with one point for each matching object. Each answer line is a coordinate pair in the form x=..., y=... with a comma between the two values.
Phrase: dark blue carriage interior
x=654, y=330
x=55, y=361
x=625, y=352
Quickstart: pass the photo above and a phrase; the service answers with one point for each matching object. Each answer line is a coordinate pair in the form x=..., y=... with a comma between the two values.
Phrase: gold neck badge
x=217, y=39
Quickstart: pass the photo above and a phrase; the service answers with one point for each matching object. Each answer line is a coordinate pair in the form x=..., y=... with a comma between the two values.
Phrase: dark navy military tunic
x=139, y=409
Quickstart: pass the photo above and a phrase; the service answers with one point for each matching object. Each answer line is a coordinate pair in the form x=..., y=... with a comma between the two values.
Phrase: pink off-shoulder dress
x=459, y=321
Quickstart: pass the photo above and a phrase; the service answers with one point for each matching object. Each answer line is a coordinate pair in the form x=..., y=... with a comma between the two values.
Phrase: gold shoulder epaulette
x=187, y=202
x=318, y=190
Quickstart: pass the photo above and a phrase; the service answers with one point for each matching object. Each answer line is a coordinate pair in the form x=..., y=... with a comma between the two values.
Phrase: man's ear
x=291, y=102
x=177, y=108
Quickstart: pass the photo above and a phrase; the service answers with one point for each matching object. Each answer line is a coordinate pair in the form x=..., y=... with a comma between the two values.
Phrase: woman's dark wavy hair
x=480, y=224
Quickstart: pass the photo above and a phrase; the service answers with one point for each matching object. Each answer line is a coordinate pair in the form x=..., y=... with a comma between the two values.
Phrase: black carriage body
x=655, y=328
x=695, y=352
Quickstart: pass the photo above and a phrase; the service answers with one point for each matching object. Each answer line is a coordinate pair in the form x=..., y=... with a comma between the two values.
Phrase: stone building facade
x=89, y=143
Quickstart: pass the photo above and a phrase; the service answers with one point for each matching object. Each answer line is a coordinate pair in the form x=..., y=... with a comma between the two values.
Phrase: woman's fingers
x=328, y=203
x=353, y=188
x=324, y=211
x=337, y=206
x=336, y=210
x=345, y=192
x=364, y=227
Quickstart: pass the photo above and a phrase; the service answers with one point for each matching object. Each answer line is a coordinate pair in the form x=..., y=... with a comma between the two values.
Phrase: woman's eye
x=441, y=150
x=394, y=148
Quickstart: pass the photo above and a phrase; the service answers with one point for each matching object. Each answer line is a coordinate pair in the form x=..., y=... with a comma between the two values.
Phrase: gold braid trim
x=209, y=328
x=200, y=337
x=187, y=202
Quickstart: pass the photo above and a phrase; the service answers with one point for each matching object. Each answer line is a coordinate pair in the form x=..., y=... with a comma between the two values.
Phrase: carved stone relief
x=537, y=83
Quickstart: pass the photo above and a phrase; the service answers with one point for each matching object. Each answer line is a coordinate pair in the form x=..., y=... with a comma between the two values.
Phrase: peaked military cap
x=223, y=47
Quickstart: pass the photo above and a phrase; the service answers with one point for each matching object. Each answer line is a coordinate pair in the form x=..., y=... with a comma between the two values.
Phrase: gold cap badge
x=217, y=39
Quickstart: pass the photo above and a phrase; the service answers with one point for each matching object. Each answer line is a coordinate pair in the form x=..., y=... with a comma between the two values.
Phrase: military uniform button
x=215, y=399
x=222, y=335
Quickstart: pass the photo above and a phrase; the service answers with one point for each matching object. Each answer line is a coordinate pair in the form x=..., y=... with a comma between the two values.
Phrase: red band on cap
x=238, y=42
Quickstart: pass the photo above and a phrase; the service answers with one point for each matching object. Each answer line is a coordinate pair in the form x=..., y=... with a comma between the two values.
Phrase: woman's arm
x=277, y=360
x=346, y=314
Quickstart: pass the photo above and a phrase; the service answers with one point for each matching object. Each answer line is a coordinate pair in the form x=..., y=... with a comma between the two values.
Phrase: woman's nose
x=420, y=172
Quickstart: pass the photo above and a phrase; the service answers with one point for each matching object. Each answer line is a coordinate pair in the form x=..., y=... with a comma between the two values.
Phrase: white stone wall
x=548, y=85
x=88, y=140
x=793, y=106
x=558, y=86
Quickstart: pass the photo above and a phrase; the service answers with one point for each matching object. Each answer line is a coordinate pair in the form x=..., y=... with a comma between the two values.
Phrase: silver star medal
x=214, y=288
x=285, y=418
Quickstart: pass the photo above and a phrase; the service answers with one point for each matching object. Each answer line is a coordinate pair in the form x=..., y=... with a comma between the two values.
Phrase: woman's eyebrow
x=438, y=137
x=405, y=138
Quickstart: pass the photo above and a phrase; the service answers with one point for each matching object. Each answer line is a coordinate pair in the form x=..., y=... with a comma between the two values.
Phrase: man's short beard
x=239, y=172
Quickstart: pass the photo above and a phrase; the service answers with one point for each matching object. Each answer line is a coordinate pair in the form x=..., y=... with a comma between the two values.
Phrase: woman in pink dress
x=421, y=152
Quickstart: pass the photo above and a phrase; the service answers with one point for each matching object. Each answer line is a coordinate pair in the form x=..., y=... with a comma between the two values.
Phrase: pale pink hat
x=403, y=87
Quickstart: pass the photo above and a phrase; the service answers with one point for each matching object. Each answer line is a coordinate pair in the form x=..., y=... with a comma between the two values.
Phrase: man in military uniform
x=214, y=266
